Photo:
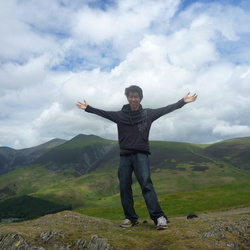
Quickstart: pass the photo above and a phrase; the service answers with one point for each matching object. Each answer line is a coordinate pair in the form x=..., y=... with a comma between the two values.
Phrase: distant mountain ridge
x=233, y=151
x=84, y=152
x=11, y=159
x=80, y=154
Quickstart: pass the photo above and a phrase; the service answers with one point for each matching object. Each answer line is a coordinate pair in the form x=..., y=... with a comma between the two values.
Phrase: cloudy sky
x=55, y=53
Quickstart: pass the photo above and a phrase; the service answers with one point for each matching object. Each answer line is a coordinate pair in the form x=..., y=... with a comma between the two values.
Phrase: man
x=133, y=123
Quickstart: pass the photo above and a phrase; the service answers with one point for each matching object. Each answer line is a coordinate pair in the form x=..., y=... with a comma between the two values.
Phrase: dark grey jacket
x=134, y=126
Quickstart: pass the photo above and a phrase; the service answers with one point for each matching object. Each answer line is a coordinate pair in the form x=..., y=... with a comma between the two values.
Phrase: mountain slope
x=11, y=158
x=79, y=154
x=7, y=156
x=235, y=152
x=173, y=155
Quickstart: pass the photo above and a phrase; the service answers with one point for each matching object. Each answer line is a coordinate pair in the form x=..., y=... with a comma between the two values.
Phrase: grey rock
x=233, y=245
x=97, y=243
x=81, y=244
x=47, y=236
x=15, y=241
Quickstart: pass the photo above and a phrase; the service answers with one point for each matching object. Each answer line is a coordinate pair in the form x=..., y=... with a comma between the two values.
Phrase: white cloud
x=226, y=129
x=55, y=54
x=18, y=39
x=120, y=29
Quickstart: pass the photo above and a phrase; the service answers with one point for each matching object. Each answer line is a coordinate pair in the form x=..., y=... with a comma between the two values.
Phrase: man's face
x=134, y=100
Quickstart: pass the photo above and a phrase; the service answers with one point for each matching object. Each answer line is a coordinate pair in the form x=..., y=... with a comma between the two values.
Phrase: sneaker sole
x=131, y=225
x=125, y=226
x=162, y=227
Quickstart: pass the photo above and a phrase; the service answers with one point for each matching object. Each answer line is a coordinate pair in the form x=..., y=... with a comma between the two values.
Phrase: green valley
x=187, y=177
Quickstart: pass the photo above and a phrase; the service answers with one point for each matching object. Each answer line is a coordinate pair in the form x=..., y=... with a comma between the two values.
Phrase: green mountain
x=234, y=152
x=81, y=174
x=11, y=159
x=81, y=154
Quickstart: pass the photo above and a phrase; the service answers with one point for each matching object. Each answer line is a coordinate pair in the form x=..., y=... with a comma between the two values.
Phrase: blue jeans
x=139, y=163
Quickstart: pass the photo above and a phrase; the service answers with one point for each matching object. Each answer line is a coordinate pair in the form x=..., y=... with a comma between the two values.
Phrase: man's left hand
x=191, y=98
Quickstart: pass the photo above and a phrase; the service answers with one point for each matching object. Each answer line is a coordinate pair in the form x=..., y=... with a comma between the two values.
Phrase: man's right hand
x=81, y=105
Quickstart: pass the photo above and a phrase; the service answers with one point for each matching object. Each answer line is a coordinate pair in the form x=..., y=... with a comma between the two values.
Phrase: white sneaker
x=161, y=223
x=129, y=223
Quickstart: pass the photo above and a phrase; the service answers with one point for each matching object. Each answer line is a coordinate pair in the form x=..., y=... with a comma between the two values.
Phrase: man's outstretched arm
x=110, y=115
x=157, y=113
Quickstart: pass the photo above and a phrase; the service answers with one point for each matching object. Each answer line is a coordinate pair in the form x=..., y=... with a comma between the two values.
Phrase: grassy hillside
x=179, y=204
x=78, y=155
x=97, y=194
x=186, y=177
x=234, y=152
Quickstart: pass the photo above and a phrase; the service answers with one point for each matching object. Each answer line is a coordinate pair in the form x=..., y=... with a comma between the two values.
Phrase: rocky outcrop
x=221, y=230
x=96, y=243
x=71, y=230
x=13, y=241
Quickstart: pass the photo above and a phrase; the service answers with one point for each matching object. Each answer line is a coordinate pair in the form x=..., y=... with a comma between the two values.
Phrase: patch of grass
x=27, y=207
x=212, y=199
x=30, y=179
x=181, y=204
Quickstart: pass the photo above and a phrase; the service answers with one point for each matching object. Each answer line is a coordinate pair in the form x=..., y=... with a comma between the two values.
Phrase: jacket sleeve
x=157, y=113
x=110, y=115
